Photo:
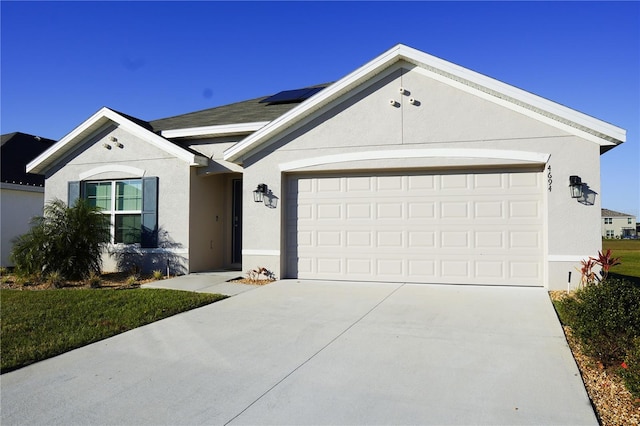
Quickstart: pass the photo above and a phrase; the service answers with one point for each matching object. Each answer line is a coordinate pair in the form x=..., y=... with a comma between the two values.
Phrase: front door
x=236, y=236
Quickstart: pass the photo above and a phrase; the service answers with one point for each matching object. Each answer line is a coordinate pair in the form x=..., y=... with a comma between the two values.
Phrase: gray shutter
x=149, y=212
x=74, y=192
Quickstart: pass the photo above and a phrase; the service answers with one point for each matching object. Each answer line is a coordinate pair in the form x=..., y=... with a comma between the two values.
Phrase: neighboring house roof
x=600, y=132
x=613, y=213
x=100, y=120
x=17, y=150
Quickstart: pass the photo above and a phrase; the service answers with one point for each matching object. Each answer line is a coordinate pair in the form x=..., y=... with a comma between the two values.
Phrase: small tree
x=69, y=240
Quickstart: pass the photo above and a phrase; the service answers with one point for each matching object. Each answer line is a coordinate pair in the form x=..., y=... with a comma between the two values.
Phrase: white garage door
x=473, y=228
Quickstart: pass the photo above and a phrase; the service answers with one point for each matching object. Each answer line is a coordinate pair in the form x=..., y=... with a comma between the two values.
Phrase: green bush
x=605, y=318
x=55, y=279
x=66, y=239
x=94, y=280
x=631, y=369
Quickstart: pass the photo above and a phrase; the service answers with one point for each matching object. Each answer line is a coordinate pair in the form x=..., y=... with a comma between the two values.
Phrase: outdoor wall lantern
x=262, y=194
x=259, y=192
x=575, y=186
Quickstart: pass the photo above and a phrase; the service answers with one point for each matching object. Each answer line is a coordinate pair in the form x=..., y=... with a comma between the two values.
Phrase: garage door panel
x=483, y=228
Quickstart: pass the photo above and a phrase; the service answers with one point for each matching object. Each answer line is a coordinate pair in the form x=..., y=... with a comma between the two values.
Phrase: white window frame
x=608, y=220
x=113, y=212
x=610, y=233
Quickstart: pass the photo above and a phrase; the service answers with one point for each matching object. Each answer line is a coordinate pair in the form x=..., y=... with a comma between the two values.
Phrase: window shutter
x=73, y=193
x=149, y=212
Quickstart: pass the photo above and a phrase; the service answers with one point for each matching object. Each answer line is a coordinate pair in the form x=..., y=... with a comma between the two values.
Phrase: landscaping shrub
x=94, y=280
x=631, y=369
x=65, y=239
x=55, y=279
x=605, y=317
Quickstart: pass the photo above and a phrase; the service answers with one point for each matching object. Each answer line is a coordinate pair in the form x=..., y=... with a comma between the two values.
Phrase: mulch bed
x=613, y=403
x=113, y=280
x=252, y=282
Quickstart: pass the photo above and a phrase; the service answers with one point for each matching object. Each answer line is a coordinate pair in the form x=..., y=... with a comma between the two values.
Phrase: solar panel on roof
x=291, y=96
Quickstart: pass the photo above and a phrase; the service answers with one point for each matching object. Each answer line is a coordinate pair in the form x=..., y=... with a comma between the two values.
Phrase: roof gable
x=99, y=120
x=587, y=127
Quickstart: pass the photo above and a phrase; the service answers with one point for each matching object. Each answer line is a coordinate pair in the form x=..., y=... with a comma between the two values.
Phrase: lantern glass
x=257, y=196
x=576, y=191
x=270, y=200
x=575, y=186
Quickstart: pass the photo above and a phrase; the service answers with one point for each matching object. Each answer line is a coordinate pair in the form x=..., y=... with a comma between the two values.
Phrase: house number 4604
x=549, y=177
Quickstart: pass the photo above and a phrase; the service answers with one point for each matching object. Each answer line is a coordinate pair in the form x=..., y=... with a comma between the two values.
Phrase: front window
x=608, y=220
x=610, y=234
x=122, y=201
x=629, y=221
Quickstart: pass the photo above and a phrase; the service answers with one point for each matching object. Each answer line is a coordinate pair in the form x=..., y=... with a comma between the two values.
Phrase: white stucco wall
x=18, y=205
x=444, y=118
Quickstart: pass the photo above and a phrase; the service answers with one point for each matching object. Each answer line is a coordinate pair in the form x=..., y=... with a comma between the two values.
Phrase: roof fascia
x=574, y=121
x=98, y=121
x=214, y=131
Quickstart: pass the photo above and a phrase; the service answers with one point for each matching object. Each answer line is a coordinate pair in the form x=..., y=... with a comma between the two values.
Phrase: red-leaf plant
x=606, y=261
x=587, y=275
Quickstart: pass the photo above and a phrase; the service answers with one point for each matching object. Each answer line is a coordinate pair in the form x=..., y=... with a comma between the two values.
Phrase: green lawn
x=629, y=252
x=36, y=325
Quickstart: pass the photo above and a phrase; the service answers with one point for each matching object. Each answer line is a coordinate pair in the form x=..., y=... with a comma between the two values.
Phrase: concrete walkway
x=293, y=353
x=205, y=282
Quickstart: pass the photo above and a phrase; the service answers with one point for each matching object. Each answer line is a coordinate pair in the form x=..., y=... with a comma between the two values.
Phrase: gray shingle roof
x=249, y=111
x=613, y=213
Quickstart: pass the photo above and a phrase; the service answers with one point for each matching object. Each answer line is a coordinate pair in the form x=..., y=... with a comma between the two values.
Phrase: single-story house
x=21, y=193
x=618, y=225
x=408, y=169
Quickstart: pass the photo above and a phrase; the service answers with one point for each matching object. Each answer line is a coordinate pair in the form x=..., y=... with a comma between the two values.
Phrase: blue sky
x=62, y=61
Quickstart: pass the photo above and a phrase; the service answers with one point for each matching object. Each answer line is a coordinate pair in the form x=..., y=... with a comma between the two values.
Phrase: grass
x=36, y=325
x=629, y=252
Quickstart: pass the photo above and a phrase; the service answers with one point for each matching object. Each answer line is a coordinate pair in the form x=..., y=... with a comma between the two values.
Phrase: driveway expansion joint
x=342, y=333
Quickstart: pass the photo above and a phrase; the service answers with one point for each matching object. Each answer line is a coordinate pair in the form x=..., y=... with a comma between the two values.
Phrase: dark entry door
x=236, y=239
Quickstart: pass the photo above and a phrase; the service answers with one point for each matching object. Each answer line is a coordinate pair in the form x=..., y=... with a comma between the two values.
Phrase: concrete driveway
x=321, y=353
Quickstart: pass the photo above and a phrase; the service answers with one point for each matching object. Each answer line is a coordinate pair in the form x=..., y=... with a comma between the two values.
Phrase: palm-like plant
x=66, y=239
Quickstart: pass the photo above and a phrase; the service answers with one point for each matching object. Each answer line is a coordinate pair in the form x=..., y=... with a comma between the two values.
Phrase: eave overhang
x=94, y=124
x=604, y=134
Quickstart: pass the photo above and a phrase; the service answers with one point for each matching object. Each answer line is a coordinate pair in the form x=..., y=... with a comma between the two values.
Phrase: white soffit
x=95, y=123
x=605, y=134
x=213, y=131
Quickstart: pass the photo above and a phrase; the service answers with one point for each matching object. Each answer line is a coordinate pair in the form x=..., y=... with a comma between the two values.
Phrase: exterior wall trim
x=158, y=250
x=566, y=257
x=213, y=131
x=112, y=168
x=533, y=157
